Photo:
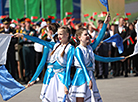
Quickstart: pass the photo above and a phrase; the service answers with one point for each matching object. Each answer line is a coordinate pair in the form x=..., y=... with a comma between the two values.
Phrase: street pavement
x=117, y=89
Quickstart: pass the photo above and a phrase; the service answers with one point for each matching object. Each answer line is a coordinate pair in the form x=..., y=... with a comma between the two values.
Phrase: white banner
x=4, y=44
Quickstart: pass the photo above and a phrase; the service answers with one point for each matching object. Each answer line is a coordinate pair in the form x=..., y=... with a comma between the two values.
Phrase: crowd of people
x=28, y=57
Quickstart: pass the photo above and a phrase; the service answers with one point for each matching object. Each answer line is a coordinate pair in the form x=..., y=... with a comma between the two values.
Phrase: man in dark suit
x=122, y=31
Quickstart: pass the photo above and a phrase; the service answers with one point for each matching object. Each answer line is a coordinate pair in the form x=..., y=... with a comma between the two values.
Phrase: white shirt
x=120, y=29
x=38, y=47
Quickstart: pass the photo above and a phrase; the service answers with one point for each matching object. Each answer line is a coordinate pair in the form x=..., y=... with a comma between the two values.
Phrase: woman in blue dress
x=84, y=61
x=52, y=33
x=60, y=62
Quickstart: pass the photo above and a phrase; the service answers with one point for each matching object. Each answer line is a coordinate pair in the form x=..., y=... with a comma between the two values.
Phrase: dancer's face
x=63, y=36
x=84, y=38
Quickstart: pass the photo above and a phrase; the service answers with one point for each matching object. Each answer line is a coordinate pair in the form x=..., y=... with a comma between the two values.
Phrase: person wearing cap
x=6, y=24
x=48, y=20
x=11, y=63
x=28, y=51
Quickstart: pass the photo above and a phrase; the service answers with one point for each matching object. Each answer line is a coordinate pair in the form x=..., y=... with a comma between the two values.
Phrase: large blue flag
x=8, y=86
x=105, y=3
x=118, y=40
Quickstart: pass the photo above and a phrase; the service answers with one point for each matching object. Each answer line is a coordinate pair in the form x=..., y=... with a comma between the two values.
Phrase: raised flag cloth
x=9, y=87
x=4, y=43
x=105, y=3
x=118, y=40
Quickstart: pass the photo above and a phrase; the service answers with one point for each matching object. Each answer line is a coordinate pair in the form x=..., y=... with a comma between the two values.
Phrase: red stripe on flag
x=104, y=13
x=34, y=17
x=72, y=19
x=64, y=21
x=91, y=18
x=84, y=23
x=43, y=34
x=86, y=15
x=52, y=17
x=128, y=14
x=126, y=19
x=72, y=24
x=43, y=19
x=131, y=40
x=68, y=13
x=68, y=17
x=14, y=21
x=94, y=13
x=3, y=16
x=127, y=42
x=18, y=19
x=117, y=14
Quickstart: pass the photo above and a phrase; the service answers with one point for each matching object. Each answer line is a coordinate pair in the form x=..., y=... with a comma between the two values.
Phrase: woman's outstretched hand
x=30, y=84
x=107, y=19
x=18, y=35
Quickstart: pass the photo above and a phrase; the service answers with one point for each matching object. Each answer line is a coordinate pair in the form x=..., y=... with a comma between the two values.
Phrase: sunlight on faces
x=63, y=36
x=84, y=38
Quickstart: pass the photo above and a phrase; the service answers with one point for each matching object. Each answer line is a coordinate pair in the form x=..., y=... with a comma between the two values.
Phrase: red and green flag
x=117, y=14
x=31, y=33
x=14, y=21
x=72, y=25
x=128, y=14
x=52, y=17
x=73, y=39
x=2, y=17
x=126, y=19
x=94, y=13
x=64, y=21
x=86, y=15
x=131, y=40
x=68, y=13
x=34, y=17
x=44, y=33
x=84, y=23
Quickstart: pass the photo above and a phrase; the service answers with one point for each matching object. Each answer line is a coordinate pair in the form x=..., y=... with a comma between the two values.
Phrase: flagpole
x=38, y=20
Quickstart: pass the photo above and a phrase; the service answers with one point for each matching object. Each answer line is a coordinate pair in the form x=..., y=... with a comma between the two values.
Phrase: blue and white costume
x=58, y=73
x=84, y=62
